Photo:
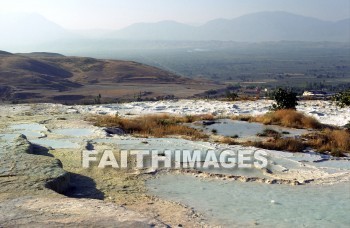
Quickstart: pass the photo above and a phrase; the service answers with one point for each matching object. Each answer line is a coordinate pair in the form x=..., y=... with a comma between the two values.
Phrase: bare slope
x=46, y=76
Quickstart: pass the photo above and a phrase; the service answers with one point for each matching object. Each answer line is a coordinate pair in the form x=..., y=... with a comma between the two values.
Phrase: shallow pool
x=74, y=132
x=246, y=172
x=56, y=143
x=317, y=161
x=30, y=130
x=243, y=129
x=160, y=144
x=29, y=127
x=8, y=137
x=248, y=204
x=342, y=164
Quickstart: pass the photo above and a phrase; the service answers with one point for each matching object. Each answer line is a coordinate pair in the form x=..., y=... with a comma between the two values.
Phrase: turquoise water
x=75, y=132
x=317, y=161
x=32, y=130
x=246, y=204
x=160, y=144
x=56, y=143
x=177, y=144
x=29, y=127
x=243, y=129
x=237, y=171
x=8, y=137
x=343, y=165
x=30, y=134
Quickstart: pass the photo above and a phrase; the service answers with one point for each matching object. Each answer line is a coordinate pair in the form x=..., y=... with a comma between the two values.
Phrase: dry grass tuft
x=283, y=144
x=228, y=140
x=151, y=125
x=242, y=118
x=288, y=118
x=334, y=141
x=194, y=118
x=270, y=133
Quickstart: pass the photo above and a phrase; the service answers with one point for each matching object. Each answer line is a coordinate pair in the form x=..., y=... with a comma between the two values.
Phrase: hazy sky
x=114, y=14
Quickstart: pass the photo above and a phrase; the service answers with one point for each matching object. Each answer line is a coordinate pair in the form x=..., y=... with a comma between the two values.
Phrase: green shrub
x=231, y=95
x=342, y=99
x=285, y=99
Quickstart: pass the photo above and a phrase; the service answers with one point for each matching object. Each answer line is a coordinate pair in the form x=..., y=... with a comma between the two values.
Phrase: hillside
x=51, y=76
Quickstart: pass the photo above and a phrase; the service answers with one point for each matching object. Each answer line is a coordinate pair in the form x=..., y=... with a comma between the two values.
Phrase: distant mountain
x=257, y=27
x=32, y=32
x=28, y=29
x=345, y=22
x=268, y=26
x=164, y=30
x=343, y=27
x=92, y=33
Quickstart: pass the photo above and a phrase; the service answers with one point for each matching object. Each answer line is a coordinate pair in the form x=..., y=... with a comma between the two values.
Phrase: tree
x=342, y=99
x=231, y=95
x=285, y=99
x=97, y=99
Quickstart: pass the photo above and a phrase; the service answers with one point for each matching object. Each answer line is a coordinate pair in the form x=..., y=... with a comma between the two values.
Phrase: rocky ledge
x=30, y=181
x=23, y=171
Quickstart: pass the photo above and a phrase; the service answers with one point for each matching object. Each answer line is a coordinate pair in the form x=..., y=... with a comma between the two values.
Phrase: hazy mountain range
x=264, y=26
x=19, y=30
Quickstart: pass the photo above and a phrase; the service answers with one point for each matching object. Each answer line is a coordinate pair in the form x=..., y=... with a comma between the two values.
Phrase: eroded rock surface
x=28, y=186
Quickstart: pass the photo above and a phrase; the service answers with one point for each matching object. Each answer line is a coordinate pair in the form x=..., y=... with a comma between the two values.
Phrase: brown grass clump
x=243, y=118
x=270, y=133
x=288, y=118
x=334, y=141
x=228, y=140
x=283, y=144
x=105, y=121
x=151, y=125
x=194, y=118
